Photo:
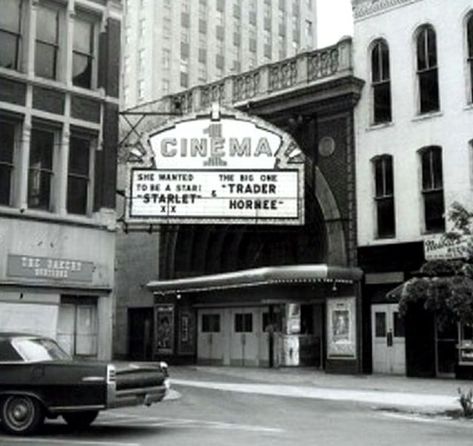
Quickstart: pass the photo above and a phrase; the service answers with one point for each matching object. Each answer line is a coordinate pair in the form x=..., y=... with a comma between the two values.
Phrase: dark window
x=380, y=82
x=202, y=26
x=470, y=53
x=184, y=79
x=243, y=323
x=10, y=33
x=380, y=324
x=83, y=53
x=427, y=70
x=384, y=196
x=41, y=169
x=432, y=189
x=210, y=323
x=47, y=47
x=7, y=144
x=78, y=175
x=236, y=10
x=398, y=322
x=220, y=32
x=219, y=61
x=8, y=353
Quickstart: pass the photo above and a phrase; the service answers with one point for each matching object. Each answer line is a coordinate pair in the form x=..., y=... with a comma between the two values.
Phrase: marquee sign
x=219, y=167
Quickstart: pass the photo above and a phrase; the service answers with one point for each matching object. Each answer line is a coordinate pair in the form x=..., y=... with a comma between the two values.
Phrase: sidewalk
x=421, y=394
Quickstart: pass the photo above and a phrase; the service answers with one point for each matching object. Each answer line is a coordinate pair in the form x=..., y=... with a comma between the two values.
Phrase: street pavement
x=225, y=406
x=420, y=394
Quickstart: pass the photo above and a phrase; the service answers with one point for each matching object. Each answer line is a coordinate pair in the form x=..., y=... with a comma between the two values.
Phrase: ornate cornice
x=364, y=8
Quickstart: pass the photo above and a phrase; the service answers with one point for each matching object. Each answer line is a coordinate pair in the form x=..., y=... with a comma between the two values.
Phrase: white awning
x=257, y=277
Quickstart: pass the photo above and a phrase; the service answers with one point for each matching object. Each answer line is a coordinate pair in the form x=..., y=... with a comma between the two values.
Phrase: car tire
x=21, y=414
x=80, y=420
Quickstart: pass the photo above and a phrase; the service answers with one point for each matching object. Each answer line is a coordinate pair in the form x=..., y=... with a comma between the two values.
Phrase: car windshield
x=39, y=349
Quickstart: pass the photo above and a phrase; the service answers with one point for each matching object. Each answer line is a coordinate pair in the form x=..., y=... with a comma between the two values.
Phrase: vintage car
x=38, y=379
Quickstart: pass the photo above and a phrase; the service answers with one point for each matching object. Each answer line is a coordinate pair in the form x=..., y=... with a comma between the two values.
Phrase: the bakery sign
x=218, y=167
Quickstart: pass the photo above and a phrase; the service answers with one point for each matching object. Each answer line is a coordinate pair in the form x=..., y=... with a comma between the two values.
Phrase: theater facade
x=239, y=224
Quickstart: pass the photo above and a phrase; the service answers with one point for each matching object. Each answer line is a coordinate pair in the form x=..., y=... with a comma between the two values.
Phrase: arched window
x=384, y=196
x=432, y=188
x=427, y=70
x=469, y=36
x=380, y=82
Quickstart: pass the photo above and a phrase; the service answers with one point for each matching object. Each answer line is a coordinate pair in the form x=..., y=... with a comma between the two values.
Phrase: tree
x=446, y=286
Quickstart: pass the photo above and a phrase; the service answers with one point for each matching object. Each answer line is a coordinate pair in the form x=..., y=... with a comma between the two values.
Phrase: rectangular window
x=47, y=47
x=83, y=53
x=165, y=86
x=282, y=22
x=432, y=189
x=470, y=53
x=184, y=80
x=380, y=83
x=384, y=197
x=308, y=31
x=380, y=324
x=141, y=89
x=427, y=71
x=77, y=325
x=41, y=169
x=166, y=58
x=210, y=323
x=78, y=179
x=10, y=33
x=7, y=148
x=243, y=323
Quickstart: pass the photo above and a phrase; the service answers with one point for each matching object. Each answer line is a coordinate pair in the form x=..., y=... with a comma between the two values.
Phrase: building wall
x=57, y=260
x=450, y=128
x=154, y=28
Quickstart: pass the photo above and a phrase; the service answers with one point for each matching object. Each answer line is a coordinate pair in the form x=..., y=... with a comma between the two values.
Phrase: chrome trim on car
x=93, y=379
x=60, y=409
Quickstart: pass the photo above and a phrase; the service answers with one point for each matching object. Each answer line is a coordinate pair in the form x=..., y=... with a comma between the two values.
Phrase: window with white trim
x=78, y=175
x=47, y=42
x=10, y=33
x=469, y=36
x=41, y=169
x=84, y=53
x=432, y=189
x=427, y=70
x=7, y=152
x=380, y=82
x=384, y=196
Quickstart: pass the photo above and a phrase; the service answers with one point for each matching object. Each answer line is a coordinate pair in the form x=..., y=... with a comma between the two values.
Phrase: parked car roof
x=17, y=334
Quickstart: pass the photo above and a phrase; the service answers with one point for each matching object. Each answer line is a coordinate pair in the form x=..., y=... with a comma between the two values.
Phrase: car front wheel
x=80, y=420
x=21, y=414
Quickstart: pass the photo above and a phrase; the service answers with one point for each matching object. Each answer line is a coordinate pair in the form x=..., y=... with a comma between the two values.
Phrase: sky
x=334, y=21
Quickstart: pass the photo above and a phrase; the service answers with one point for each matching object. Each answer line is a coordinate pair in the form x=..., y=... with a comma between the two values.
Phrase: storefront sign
x=47, y=268
x=341, y=331
x=164, y=323
x=220, y=168
x=440, y=247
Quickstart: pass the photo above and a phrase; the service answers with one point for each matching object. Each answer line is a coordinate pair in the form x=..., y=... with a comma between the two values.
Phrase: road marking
x=419, y=418
x=188, y=423
x=331, y=394
x=64, y=441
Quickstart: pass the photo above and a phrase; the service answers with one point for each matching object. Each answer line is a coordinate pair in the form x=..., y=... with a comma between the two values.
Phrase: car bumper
x=136, y=397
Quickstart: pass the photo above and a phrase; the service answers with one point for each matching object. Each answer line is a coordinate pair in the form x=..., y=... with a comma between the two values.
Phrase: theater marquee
x=218, y=167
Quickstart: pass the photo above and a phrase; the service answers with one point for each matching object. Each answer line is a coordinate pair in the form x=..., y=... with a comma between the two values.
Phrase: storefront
x=306, y=315
x=57, y=280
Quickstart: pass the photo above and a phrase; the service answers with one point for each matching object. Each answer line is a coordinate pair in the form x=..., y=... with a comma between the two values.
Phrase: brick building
x=59, y=87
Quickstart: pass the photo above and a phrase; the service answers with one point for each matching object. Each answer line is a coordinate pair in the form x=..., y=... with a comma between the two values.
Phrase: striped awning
x=257, y=277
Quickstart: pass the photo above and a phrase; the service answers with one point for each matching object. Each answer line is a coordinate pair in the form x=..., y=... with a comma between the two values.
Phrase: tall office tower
x=171, y=45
